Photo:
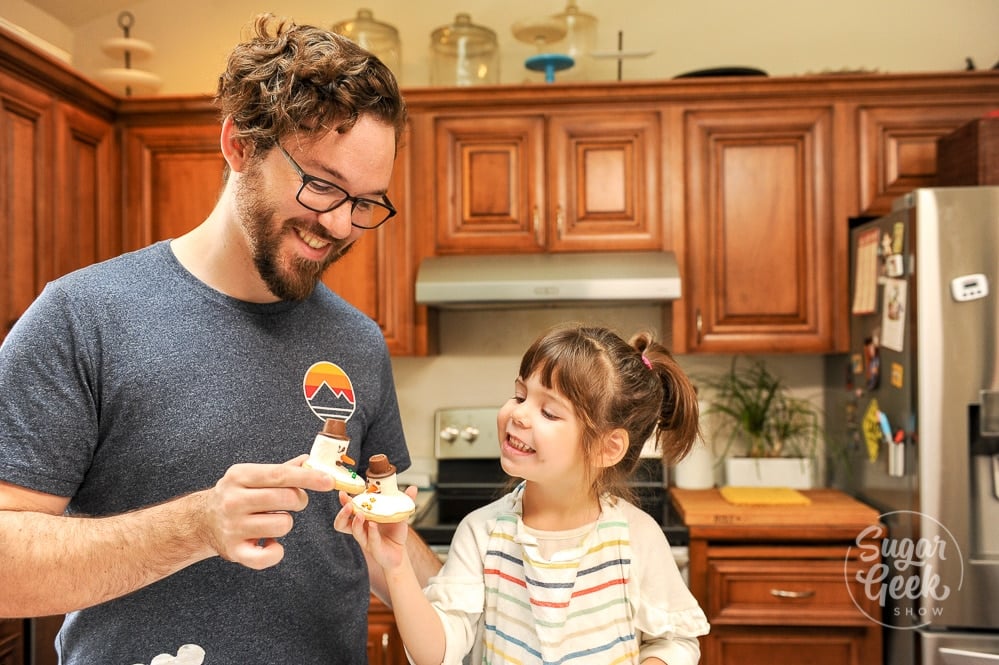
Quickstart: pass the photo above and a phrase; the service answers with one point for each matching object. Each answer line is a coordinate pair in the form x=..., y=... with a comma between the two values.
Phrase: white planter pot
x=696, y=471
x=793, y=472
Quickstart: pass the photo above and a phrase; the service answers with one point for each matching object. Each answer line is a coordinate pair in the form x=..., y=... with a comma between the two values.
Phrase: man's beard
x=292, y=278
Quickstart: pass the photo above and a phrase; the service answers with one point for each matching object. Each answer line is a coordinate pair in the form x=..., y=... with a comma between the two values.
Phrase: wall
x=782, y=37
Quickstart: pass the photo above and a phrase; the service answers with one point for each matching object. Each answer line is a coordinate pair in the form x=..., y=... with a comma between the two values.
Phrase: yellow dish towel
x=764, y=496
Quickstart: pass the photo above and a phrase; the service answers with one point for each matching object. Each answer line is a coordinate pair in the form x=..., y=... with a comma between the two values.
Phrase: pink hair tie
x=646, y=361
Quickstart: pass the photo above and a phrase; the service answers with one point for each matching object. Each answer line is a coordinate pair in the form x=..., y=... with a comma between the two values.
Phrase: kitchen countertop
x=830, y=514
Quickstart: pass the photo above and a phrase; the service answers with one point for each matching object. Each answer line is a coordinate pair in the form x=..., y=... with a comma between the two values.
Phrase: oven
x=469, y=476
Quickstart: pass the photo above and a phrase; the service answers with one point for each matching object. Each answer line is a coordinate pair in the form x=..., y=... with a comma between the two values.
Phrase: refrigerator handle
x=953, y=656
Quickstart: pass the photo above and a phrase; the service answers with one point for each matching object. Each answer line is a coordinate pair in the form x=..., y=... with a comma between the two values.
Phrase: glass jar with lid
x=463, y=53
x=579, y=42
x=379, y=38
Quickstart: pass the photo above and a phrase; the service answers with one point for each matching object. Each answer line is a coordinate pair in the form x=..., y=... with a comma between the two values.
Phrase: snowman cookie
x=329, y=455
x=383, y=501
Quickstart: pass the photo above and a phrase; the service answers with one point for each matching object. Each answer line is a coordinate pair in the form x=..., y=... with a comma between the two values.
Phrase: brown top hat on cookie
x=335, y=428
x=379, y=467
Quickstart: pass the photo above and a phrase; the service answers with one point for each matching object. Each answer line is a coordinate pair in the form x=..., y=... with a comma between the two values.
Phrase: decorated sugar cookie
x=383, y=501
x=329, y=455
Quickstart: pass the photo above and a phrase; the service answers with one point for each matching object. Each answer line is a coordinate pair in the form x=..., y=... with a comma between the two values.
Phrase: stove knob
x=449, y=433
x=470, y=434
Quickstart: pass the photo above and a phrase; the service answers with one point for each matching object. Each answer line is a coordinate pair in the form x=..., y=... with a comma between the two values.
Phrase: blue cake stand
x=549, y=63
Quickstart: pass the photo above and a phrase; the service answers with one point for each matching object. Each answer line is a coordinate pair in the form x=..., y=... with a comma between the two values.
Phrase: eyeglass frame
x=354, y=200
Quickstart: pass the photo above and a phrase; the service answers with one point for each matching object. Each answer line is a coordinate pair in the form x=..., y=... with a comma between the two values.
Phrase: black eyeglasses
x=320, y=195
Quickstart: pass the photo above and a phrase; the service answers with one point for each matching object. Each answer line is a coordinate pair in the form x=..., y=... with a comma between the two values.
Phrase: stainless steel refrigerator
x=917, y=399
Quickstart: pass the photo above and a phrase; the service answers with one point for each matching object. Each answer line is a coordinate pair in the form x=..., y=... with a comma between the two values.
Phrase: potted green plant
x=762, y=433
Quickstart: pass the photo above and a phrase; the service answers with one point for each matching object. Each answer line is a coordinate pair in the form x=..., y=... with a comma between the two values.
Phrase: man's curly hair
x=298, y=78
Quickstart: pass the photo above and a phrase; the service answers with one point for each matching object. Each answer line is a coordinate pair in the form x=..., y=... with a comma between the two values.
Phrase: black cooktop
x=430, y=528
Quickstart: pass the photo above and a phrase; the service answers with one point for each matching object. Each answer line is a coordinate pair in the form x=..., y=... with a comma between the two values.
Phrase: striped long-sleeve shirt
x=606, y=593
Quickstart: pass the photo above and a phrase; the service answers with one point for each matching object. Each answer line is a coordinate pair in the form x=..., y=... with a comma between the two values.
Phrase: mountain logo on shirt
x=328, y=391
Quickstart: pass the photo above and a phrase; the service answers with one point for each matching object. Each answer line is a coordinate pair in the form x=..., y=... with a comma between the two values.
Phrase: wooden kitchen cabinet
x=173, y=177
x=25, y=188
x=378, y=274
x=11, y=642
x=778, y=583
x=384, y=643
x=556, y=180
x=174, y=168
x=750, y=181
x=86, y=224
x=898, y=146
x=761, y=239
x=59, y=183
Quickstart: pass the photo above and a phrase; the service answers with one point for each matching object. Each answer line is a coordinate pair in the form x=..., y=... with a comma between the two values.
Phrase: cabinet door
x=605, y=178
x=762, y=244
x=87, y=226
x=489, y=175
x=378, y=274
x=26, y=186
x=753, y=645
x=173, y=177
x=12, y=641
x=898, y=148
x=384, y=643
x=43, y=634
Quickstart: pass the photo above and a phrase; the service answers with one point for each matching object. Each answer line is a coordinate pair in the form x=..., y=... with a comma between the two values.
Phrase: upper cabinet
x=174, y=176
x=605, y=174
x=556, y=180
x=761, y=238
x=25, y=118
x=898, y=145
x=58, y=183
x=173, y=172
x=378, y=274
x=86, y=210
x=750, y=181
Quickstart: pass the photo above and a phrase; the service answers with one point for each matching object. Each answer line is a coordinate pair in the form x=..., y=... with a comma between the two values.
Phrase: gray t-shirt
x=131, y=382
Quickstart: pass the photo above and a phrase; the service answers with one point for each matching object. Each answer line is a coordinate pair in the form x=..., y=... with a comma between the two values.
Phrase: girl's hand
x=383, y=543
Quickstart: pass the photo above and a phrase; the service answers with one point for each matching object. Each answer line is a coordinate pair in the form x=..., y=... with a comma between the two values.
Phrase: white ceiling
x=76, y=12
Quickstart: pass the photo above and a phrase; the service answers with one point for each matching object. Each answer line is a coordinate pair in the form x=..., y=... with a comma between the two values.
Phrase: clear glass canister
x=463, y=54
x=580, y=41
x=380, y=38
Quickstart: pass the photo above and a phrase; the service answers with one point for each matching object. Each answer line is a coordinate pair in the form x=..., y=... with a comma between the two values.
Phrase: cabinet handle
x=385, y=643
x=783, y=593
x=699, y=323
x=538, y=237
x=560, y=221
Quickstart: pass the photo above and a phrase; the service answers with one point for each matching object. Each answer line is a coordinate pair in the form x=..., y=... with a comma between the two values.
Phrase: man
x=156, y=406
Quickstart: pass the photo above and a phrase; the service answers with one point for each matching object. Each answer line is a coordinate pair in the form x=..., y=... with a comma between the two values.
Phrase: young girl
x=562, y=569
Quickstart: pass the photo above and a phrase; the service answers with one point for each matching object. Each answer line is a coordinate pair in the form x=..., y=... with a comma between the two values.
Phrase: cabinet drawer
x=788, y=592
x=790, y=646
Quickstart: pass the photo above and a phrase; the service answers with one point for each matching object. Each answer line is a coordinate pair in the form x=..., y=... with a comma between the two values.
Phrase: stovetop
x=435, y=532
x=469, y=475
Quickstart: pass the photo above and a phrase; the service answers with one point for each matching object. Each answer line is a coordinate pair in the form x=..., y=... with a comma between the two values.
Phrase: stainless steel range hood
x=548, y=279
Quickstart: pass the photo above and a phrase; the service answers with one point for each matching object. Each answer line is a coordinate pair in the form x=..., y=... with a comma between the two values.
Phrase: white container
x=696, y=471
x=794, y=472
